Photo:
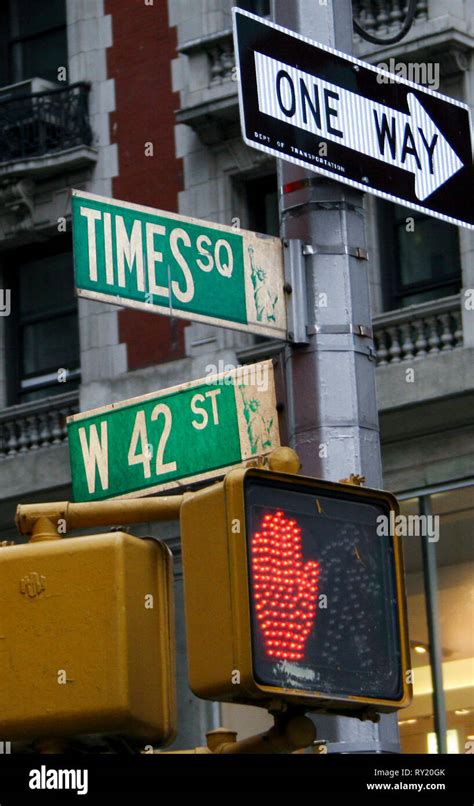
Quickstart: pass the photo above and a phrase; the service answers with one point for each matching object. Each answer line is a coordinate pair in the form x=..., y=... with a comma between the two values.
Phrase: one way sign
x=352, y=122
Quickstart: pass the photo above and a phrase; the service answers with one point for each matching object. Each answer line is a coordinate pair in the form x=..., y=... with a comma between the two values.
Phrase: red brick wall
x=140, y=62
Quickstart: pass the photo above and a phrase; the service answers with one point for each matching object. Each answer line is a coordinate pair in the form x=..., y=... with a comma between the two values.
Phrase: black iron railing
x=44, y=122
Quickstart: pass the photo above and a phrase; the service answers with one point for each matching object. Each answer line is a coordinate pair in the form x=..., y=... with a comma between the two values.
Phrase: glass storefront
x=450, y=536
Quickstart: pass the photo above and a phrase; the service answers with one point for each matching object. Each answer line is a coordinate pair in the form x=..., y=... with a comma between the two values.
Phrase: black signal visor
x=323, y=593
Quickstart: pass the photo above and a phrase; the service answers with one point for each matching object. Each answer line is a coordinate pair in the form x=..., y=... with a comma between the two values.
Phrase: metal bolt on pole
x=333, y=421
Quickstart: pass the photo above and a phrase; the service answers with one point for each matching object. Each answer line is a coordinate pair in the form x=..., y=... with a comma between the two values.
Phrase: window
x=420, y=257
x=257, y=199
x=450, y=538
x=34, y=35
x=262, y=205
x=261, y=7
x=44, y=334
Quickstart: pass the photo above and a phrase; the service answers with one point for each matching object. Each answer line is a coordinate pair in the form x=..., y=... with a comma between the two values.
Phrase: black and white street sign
x=358, y=124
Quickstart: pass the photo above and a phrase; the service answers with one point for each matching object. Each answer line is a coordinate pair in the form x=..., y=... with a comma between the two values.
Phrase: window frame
x=5, y=27
x=21, y=40
x=393, y=292
x=9, y=41
x=16, y=386
x=264, y=179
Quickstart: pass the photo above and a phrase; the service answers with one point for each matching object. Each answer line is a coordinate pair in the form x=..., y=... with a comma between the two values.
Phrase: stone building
x=137, y=100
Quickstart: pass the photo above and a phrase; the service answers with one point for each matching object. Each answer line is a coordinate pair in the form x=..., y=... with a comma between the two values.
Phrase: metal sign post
x=332, y=403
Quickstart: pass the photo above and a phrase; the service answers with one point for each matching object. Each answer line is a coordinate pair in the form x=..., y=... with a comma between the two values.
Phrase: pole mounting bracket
x=336, y=249
x=358, y=330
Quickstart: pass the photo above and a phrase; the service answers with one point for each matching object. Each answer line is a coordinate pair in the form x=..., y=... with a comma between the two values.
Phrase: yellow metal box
x=87, y=638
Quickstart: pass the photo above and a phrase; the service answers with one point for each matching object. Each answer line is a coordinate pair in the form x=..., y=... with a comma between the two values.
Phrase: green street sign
x=165, y=263
x=191, y=432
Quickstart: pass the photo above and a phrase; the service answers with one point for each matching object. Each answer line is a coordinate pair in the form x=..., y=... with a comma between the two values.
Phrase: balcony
x=45, y=132
x=384, y=18
x=34, y=461
x=421, y=356
x=418, y=331
x=40, y=424
x=209, y=97
x=425, y=394
x=435, y=36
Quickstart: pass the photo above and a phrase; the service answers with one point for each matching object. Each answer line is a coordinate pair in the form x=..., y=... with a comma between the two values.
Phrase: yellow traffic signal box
x=294, y=591
x=87, y=638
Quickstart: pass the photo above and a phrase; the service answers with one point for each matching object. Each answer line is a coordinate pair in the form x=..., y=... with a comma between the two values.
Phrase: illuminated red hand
x=284, y=589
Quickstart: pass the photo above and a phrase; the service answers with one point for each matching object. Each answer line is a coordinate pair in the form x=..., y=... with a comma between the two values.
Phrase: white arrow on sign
x=411, y=142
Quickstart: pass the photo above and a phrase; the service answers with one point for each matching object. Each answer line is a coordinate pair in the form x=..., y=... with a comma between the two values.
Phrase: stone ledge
x=437, y=376
x=49, y=164
x=34, y=472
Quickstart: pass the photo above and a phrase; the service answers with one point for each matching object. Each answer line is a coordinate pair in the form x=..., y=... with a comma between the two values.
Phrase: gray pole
x=332, y=409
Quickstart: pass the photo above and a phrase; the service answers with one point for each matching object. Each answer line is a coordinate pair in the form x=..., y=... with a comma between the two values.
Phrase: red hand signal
x=285, y=590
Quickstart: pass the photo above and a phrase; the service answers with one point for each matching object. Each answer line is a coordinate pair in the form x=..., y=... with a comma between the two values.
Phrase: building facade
x=137, y=100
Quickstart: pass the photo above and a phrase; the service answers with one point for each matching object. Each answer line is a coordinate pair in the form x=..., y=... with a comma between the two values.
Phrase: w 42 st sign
x=358, y=124
x=187, y=433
